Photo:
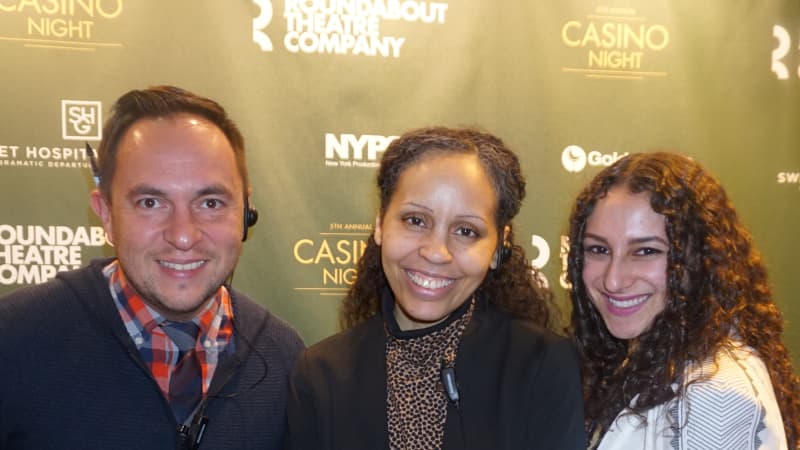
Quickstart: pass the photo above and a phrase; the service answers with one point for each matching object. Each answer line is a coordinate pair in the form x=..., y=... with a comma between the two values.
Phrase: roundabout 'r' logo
x=260, y=23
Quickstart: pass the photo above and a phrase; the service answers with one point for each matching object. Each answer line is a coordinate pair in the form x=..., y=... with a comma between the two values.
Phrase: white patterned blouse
x=734, y=409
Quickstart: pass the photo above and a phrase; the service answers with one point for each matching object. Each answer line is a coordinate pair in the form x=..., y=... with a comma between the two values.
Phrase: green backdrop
x=320, y=86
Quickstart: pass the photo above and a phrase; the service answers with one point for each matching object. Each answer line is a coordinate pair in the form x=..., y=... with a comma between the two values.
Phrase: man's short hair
x=162, y=101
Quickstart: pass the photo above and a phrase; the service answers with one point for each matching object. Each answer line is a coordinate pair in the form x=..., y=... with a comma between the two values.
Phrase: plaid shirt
x=158, y=351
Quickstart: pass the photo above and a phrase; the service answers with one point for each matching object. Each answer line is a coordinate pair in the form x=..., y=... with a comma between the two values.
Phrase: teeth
x=175, y=266
x=627, y=303
x=429, y=283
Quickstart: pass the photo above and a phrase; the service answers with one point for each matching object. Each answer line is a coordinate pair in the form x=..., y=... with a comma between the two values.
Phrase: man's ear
x=103, y=211
x=378, y=235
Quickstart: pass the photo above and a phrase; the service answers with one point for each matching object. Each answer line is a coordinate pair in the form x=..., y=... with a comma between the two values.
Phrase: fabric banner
x=320, y=87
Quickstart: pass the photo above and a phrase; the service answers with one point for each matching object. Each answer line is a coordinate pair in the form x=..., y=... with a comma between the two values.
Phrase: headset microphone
x=93, y=164
x=505, y=249
x=449, y=382
x=250, y=218
x=505, y=252
x=451, y=388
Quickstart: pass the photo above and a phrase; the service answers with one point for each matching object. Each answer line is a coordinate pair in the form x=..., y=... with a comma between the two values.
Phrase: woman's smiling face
x=625, y=249
x=438, y=236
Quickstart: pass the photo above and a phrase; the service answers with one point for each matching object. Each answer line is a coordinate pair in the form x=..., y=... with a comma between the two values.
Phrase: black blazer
x=519, y=387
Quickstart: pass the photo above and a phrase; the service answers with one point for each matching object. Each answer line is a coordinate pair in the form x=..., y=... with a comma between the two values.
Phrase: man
x=150, y=349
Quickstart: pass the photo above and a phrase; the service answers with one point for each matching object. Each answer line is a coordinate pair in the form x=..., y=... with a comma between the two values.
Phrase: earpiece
x=504, y=253
x=93, y=165
x=505, y=249
x=250, y=218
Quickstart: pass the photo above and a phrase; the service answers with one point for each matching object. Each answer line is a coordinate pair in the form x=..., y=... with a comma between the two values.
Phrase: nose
x=182, y=230
x=434, y=249
x=618, y=275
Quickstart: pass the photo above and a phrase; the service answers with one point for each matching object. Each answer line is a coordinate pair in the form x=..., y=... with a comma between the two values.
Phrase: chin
x=626, y=334
x=424, y=318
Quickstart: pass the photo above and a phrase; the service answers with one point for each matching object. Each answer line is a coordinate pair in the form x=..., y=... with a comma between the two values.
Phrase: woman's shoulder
x=348, y=343
x=722, y=382
x=734, y=368
x=730, y=400
x=528, y=340
x=729, y=380
x=495, y=319
x=535, y=334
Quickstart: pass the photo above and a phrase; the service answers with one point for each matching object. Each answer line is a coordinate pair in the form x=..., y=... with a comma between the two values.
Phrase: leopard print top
x=416, y=403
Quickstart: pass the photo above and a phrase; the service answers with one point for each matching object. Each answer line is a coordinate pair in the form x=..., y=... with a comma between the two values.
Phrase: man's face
x=175, y=213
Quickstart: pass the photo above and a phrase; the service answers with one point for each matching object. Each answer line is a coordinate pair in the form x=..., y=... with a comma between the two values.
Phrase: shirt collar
x=140, y=318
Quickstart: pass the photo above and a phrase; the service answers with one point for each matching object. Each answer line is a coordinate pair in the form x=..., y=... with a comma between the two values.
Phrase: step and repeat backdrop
x=319, y=87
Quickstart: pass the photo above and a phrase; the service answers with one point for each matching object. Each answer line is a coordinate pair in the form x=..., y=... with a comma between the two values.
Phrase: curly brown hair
x=717, y=291
x=514, y=286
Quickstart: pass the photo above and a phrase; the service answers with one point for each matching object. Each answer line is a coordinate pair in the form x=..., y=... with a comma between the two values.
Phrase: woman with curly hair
x=679, y=338
x=445, y=342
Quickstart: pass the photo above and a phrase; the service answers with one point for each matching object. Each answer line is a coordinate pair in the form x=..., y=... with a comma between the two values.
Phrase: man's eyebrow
x=215, y=189
x=146, y=189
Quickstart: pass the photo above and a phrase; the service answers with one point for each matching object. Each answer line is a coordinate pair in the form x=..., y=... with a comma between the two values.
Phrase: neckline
x=387, y=311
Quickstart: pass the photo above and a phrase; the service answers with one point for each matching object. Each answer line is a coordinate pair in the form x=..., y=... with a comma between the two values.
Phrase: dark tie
x=185, y=384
